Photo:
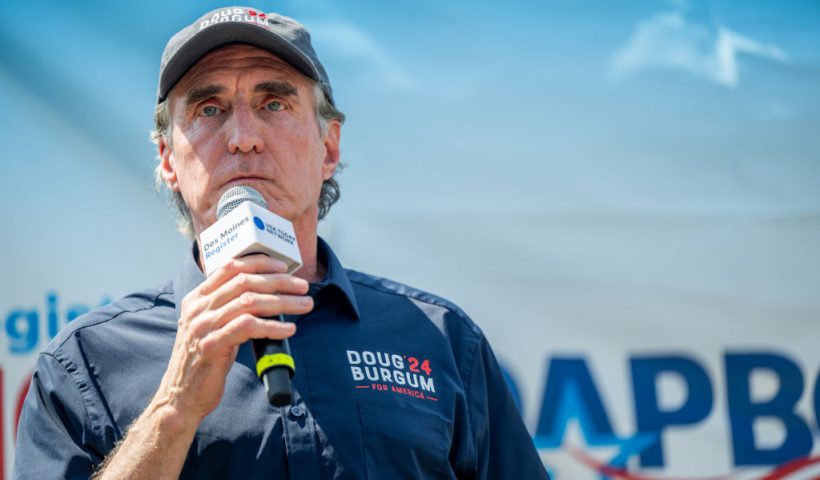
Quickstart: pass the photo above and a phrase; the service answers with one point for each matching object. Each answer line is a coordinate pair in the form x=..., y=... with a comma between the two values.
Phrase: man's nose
x=245, y=132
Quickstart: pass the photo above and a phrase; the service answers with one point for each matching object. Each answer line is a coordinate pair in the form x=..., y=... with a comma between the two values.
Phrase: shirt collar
x=190, y=276
x=335, y=276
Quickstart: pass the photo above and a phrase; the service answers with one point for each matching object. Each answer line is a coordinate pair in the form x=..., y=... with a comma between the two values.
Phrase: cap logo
x=235, y=15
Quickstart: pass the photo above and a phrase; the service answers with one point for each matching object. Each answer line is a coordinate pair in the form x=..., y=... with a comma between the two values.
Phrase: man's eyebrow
x=280, y=89
x=201, y=93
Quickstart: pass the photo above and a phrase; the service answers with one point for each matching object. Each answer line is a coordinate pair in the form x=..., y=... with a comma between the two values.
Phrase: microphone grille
x=235, y=196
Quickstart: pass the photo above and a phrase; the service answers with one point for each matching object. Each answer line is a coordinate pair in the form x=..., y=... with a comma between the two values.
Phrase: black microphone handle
x=275, y=367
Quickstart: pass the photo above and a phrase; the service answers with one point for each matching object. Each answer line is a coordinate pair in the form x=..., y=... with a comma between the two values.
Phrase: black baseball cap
x=278, y=34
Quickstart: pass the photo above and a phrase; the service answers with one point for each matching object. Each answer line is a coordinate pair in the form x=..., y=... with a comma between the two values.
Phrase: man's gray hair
x=326, y=112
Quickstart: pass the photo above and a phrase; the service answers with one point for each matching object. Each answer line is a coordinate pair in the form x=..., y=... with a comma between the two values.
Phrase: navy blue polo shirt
x=390, y=383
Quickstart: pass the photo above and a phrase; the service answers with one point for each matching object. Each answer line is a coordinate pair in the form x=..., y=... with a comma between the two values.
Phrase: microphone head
x=236, y=196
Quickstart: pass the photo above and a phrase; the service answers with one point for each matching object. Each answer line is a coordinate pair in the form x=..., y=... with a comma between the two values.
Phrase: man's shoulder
x=433, y=305
x=139, y=302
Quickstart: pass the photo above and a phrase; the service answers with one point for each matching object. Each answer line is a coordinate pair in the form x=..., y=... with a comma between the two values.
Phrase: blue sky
x=523, y=108
x=520, y=76
x=677, y=109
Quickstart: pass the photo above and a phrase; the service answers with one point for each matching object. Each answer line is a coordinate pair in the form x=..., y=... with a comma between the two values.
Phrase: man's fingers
x=253, y=282
x=261, y=305
x=250, y=264
x=246, y=327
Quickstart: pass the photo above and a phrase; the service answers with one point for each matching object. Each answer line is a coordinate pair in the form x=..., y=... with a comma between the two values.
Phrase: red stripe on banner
x=2, y=428
x=622, y=473
x=362, y=386
x=779, y=473
x=791, y=467
x=18, y=409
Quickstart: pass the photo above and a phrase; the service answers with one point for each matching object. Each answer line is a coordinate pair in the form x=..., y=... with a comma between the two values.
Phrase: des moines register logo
x=393, y=373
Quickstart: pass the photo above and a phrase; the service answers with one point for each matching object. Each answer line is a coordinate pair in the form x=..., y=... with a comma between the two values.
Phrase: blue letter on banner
x=743, y=412
x=650, y=418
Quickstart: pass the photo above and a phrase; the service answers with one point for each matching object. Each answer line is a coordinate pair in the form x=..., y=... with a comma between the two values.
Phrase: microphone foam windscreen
x=235, y=196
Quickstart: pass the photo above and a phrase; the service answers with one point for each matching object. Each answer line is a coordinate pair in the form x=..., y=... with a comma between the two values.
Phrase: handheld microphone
x=245, y=226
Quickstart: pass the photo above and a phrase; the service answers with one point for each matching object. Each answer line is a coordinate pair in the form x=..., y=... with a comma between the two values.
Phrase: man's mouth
x=244, y=180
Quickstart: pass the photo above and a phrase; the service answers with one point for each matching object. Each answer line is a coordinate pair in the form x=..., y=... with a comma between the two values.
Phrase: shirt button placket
x=300, y=432
x=300, y=441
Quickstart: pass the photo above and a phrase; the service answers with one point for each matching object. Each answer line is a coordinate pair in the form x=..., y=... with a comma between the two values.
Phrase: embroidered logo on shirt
x=392, y=373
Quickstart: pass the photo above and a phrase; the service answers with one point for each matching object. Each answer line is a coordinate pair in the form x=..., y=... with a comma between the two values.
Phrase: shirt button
x=297, y=411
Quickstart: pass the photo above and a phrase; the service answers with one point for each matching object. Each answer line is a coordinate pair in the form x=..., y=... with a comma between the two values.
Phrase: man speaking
x=390, y=382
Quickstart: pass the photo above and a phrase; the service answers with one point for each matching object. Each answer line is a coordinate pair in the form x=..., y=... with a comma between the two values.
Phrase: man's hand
x=229, y=308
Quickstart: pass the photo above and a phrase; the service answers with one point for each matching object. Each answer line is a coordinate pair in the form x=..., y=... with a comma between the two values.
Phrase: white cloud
x=668, y=41
x=349, y=43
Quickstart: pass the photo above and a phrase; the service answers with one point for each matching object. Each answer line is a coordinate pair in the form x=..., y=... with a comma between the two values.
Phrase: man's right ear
x=166, y=163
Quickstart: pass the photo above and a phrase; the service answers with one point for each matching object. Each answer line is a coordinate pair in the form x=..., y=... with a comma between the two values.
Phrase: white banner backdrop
x=625, y=350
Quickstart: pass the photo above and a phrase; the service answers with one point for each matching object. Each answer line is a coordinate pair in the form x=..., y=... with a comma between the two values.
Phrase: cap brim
x=228, y=33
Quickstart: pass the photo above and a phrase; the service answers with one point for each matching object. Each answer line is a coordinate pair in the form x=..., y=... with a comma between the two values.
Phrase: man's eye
x=209, y=111
x=275, y=106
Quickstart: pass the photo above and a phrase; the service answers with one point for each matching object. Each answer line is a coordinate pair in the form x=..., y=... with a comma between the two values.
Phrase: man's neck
x=312, y=269
x=306, y=229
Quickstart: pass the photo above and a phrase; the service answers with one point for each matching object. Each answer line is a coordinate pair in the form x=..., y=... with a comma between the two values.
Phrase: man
x=391, y=382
